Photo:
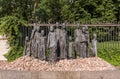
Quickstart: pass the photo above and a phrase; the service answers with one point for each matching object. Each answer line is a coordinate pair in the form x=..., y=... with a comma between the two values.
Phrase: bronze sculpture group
x=58, y=44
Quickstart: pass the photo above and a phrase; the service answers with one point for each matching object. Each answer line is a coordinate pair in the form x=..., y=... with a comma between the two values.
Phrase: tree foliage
x=15, y=14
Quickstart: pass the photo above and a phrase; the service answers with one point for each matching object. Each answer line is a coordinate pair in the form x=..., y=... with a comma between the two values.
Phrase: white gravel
x=30, y=64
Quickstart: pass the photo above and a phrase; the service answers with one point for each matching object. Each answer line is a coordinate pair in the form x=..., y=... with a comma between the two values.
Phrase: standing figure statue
x=57, y=30
x=37, y=43
x=94, y=45
x=42, y=46
x=85, y=42
x=52, y=45
x=27, y=47
x=33, y=40
x=77, y=35
x=71, y=53
x=63, y=43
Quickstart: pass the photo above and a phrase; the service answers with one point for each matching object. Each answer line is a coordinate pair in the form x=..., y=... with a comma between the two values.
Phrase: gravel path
x=3, y=48
x=26, y=63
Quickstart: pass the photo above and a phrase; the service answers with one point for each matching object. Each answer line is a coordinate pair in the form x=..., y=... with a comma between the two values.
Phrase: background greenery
x=110, y=51
x=16, y=14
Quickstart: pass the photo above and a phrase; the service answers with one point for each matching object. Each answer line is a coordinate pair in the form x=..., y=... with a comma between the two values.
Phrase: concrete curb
x=4, y=74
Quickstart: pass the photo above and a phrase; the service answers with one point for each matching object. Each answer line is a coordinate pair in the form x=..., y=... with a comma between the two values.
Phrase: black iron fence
x=108, y=35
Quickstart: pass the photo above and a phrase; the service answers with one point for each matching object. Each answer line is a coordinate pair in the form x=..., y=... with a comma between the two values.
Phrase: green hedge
x=14, y=53
x=11, y=27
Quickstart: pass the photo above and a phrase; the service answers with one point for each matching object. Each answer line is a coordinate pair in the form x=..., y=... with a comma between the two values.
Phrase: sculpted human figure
x=33, y=39
x=27, y=47
x=57, y=30
x=34, y=27
x=77, y=35
x=94, y=45
x=33, y=31
x=63, y=43
x=52, y=45
x=37, y=43
x=84, y=42
x=42, y=47
x=71, y=53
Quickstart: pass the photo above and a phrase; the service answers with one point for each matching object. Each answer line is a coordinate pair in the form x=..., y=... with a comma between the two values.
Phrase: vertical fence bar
x=106, y=34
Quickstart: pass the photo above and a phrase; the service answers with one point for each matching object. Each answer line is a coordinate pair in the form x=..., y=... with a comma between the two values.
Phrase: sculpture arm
x=33, y=31
x=75, y=34
x=45, y=42
x=48, y=41
x=88, y=37
x=67, y=38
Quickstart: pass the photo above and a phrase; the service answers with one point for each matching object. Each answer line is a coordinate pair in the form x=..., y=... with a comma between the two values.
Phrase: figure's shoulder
x=49, y=33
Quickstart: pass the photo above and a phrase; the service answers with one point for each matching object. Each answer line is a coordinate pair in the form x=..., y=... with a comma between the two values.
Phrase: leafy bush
x=11, y=27
x=14, y=53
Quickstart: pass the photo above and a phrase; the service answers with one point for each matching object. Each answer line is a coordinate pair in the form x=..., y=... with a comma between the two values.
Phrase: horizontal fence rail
x=108, y=35
x=108, y=24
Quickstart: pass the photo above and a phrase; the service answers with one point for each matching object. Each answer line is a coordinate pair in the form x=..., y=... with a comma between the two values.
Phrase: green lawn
x=110, y=51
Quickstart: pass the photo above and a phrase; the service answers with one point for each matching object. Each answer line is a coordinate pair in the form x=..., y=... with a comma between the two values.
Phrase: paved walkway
x=3, y=48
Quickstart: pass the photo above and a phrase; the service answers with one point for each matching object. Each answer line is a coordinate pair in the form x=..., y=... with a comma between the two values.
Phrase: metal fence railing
x=108, y=35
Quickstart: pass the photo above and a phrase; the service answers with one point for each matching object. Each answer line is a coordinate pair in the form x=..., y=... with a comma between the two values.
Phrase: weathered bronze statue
x=94, y=45
x=37, y=43
x=57, y=30
x=84, y=42
x=42, y=47
x=63, y=43
x=34, y=40
x=27, y=47
x=52, y=45
x=58, y=45
x=77, y=35
x=71, y=53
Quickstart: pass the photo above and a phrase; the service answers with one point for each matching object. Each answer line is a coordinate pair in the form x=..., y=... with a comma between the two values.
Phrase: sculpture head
x=78, y=26
x=94, y=36
x=51, y=28
x=36, y=19
x=42, y=32
x=70, y=38
x=37, y=28
x=63, y=26
x=57, y=24
x=85, y=28
x=26, y=38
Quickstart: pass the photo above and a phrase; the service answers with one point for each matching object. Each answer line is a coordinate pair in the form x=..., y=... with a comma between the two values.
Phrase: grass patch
x=110, y=51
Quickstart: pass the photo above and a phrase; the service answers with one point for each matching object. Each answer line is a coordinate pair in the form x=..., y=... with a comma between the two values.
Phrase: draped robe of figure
x=57, y=30
x=52, y=45
x=63, y=44
x=42, y=47
x=94, y=46
x=34, y=41
x=27, y=47
x=71, y=53
x=77, y=36
x=84, y=43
